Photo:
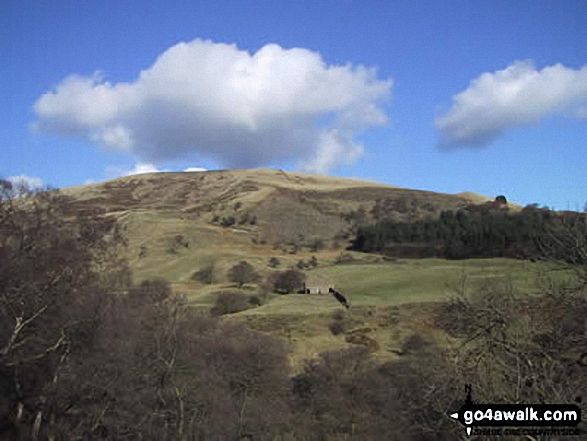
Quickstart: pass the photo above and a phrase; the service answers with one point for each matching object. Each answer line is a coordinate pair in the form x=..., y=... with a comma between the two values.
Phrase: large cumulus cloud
x=222, y=103
x=518, y=95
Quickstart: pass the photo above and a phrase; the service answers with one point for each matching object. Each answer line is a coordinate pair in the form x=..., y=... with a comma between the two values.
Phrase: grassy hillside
x=178, y=223
x=234, y=213
x=392, y=299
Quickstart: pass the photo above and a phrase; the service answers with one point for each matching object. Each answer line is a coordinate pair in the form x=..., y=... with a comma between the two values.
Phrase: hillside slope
x=176, y=222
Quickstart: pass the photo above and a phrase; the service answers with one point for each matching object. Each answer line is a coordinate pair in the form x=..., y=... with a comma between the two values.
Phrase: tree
x=57, y=268
x=243, y=272
x=287, y=282
x=501, y=199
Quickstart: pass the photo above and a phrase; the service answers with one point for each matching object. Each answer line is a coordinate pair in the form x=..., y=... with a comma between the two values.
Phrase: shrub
x=229, y=303
x=274, y=262
x=255, y=300
x=301, y=264
x=344, y=258
x=336, y=327
x=176, y=242
x=313, y=262
x=204, y=275
x=228, y=221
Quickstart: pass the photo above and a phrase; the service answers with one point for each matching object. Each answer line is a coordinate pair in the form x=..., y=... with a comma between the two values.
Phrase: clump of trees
x=484, y=231
x=84, y=354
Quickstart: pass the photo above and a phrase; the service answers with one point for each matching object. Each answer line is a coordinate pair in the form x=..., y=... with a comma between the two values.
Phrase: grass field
x=392, y=299
x=394, y=283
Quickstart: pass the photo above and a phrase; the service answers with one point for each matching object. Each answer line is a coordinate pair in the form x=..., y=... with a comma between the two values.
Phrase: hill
x=175, y=220
x=180, y=223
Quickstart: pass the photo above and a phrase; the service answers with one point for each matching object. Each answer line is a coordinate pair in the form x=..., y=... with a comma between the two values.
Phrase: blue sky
x=483, y=96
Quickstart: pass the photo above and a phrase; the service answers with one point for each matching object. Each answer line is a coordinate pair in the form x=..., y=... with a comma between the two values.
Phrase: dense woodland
x=488, y=230
x=85, y=354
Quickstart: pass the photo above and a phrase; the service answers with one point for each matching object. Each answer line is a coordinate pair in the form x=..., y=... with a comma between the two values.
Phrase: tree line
x=476, y=231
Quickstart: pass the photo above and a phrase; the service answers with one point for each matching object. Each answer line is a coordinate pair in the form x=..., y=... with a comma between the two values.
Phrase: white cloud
x=506, y=99
x=225, y=104
x=142, y=168
x=24, y=181
x=195, y=169
x=333, y=148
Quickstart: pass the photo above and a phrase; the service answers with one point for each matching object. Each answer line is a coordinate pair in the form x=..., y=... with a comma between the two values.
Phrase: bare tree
x=51, y=294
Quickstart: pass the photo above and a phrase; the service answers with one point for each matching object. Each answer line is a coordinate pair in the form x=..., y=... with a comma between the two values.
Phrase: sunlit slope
x=229, y=215
x=178, y=223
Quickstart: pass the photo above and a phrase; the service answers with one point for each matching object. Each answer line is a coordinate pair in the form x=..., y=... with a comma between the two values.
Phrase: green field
x=394, y=283
x=393, y=299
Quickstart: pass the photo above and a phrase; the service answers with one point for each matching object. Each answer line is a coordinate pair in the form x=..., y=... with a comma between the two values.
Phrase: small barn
x=316, y=284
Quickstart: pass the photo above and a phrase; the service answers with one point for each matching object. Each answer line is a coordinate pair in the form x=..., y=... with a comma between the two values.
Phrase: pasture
x=392, y=299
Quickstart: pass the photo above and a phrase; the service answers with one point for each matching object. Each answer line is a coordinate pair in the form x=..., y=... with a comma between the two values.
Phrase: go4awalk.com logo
x=556, y=416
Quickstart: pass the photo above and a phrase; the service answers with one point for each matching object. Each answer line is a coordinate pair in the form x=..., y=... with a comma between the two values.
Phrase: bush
x=313, y=262
x=204, y=275
x=255, y=300
x=176, y=242
x=229, y=303
x=336, y=327
x=344, y=258
x=301, y=264
x=274, y=262
x=228, y=221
